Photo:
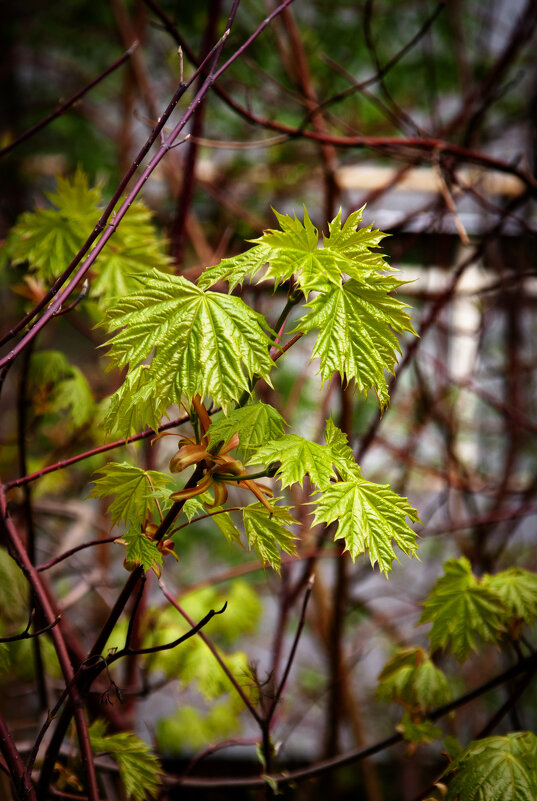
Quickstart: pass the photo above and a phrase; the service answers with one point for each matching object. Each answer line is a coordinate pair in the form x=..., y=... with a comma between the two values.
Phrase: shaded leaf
x=48, y=239
x=496, y=769
x=412, y=680
x=133, y=251
x=418, y=731
x=139, y=768
x=462, y=610
x=517, y=589
x=135, y=405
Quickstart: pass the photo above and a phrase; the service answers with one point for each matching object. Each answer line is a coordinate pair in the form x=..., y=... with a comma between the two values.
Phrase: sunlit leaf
x=370, y=517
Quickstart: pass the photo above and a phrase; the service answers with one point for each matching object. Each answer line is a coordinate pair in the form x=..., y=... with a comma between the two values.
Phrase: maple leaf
x=517, y=589
x=294, y=250
x=57, y=386
x=496, y=769
x=138, y=767
x=268, y=534
x=342, y=455
x=356, y=337
x=411, y=679
x=370, y=517
x=205, y=343
x=134, y=249
x=141, y=551
x=255, y=424
x=49, y=238
x=297, y=458
x=135, y=405
x=418, y=731
x=462, y=609
x=132, y=490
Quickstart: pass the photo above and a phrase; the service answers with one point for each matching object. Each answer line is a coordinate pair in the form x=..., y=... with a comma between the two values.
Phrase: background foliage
x=399, y=689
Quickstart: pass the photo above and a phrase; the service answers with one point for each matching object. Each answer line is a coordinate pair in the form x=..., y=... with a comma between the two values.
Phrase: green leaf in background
x=139, y=768
x=55, y=386
x=418, y=731
x=269, y=534
x=356, y=337
x=411, y=679
x=517, y=590
x=298, y=457
x=462, y=610
x=134, y=250
x=496, y=769
x=255, y=424
x=132, y=490
x=370, y=517
x=48, y=239
x=204, y=342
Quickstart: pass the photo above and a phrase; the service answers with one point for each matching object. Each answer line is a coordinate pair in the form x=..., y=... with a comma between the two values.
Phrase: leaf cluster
x=464, y=609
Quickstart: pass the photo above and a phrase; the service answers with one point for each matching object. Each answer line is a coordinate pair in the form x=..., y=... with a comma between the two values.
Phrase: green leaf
x=418, y=731
x=56, y=386
x=269, y=534
x=139, y=768
x=356, y=337
x=412, y=680
x=141, y=551
x=517, y=590
x=255, y=424
x=193, y=508
x=204, y=342
x=369, y=516
x=48, y=239
x=294, y=250
x=496, y=769
x=342, y=455
x=462, y=610
x=134, y=250
x=227, y=527
x=132, y=491
x=235, y=269
x=74, y=394
x=135, y=405
x=196, y=728
x=297, y=458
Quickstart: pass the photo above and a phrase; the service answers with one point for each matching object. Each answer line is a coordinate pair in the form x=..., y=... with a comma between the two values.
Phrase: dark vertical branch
x=23, y=403
x=178, y=228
